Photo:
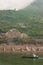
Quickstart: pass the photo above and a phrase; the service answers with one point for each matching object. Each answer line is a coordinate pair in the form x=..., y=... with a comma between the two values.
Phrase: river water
x=9, y=59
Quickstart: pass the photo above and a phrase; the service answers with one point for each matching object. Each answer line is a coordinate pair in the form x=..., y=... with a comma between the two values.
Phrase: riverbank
x=26, y=48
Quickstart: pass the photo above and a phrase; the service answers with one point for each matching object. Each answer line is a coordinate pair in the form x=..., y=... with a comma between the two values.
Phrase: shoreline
x=26, y=48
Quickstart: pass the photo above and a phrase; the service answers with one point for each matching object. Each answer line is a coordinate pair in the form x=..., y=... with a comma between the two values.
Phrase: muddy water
x=16, y=59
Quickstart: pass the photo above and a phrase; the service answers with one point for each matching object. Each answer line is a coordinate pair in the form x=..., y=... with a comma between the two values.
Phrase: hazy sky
x=14, y=4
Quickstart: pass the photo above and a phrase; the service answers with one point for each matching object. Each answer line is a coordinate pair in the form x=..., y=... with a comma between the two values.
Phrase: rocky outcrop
x=24, y=36
x=13, y=33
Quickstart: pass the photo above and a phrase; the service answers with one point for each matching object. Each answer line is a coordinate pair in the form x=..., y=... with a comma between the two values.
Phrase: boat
x=34, y=56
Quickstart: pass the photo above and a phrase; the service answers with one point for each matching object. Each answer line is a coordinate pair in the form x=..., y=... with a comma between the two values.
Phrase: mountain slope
x=28, y=20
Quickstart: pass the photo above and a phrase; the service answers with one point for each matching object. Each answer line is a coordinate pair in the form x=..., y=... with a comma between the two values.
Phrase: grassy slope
x=31, y=17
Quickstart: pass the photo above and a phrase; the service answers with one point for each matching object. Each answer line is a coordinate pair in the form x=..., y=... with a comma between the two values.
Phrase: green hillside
x=28, y=20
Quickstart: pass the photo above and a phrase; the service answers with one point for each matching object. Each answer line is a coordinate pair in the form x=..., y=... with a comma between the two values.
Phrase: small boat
x=34, y=56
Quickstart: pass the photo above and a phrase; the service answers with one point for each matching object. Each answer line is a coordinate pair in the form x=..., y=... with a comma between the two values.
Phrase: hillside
x=28, y=20
x=36, y=8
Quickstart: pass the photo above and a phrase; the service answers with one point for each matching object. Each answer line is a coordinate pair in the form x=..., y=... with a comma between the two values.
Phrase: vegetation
x=29, y=24
x=3, y=39
x=28, y=20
